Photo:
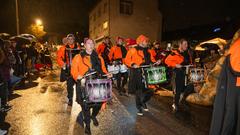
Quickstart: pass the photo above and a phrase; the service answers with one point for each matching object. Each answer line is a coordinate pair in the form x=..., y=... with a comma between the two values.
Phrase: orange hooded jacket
x=173, y=59
x=115, y=53
x=80, y=65
x=135, y=56
x=61, y=55
x=101, y=48
x=234, y=52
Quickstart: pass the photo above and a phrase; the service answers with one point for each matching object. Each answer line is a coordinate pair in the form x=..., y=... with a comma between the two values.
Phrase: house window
x=105, y=8
x=126, y=7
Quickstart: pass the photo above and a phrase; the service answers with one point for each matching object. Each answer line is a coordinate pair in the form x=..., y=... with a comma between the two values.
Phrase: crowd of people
x=131, y=59
x=17, y=62
x=122, y=62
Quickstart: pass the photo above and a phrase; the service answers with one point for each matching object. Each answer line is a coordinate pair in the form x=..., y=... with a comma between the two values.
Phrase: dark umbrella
x=4, y=36
x=20, y=40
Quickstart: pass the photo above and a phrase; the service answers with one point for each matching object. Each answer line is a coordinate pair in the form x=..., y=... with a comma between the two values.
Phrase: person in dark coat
x=226, y=113
x=4, y=76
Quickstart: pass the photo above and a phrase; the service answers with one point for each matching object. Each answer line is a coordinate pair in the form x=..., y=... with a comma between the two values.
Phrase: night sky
x=64, y=16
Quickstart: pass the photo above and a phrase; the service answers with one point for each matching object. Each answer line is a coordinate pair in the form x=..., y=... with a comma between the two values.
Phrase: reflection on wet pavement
x=43, y=110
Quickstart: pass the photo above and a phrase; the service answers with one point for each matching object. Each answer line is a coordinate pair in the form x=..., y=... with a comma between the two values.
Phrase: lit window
x=105, y=25
x=126, y=7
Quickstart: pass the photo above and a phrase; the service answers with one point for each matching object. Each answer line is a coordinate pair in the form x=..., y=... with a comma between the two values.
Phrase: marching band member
x=177, y=59
x=135, y=58
x=104, y=48
x=64, y=60
x=85, y=62
x=117, y=55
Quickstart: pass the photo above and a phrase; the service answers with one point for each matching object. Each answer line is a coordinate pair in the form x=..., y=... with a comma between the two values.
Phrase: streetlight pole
x=17, y=18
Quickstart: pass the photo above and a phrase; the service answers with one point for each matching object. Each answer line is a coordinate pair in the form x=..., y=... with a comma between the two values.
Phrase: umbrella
x=4, y=36
x=210, y=46
x=199, y=48
x=216, y=41
x=20, y=40
x=30, y=37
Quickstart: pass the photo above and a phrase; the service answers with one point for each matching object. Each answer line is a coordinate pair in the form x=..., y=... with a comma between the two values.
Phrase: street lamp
x=17, y=17
x=38, y=22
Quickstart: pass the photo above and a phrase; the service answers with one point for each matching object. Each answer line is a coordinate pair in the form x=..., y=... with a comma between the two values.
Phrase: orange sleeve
x=173, y=60
x=60, y=56
x=75, y=66
x=110, y=55
x=103, y=65
x=128, y=58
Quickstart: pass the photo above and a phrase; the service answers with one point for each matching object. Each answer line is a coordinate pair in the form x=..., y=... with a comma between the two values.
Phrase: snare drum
x=196, y=75
x=114, y=69
x=98, y=90
x=123, y=68
x=155, y=75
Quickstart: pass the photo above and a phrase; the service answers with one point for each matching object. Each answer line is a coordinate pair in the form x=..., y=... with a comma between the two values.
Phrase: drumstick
x=70, y=49
x=89, y=74
x=145, y=66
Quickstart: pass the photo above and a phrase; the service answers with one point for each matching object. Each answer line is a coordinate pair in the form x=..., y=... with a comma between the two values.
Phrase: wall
x=145, y=20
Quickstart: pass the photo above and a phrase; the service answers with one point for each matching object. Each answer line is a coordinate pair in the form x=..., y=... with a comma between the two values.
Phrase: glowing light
x=38, y=22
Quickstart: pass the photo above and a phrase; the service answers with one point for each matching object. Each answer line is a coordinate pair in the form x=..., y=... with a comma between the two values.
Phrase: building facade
x=126, y=18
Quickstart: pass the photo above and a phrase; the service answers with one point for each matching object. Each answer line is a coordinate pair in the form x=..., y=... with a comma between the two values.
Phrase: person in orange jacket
x=104, y=48
x=135, y=58
x=86, y=62
x=65, y=55
x=177, y=60
x=117, y=55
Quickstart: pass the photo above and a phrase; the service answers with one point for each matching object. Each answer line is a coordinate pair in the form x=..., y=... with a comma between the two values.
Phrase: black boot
x=80, y=119
x=95, y=121
x=88, y=130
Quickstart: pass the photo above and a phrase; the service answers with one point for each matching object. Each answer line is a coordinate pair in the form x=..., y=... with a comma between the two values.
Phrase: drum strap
x=95, y=61
x=147, y=56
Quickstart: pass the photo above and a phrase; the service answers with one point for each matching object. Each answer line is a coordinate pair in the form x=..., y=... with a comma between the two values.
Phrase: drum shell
x=155, y=75
x=196, y=75
x=114, y=69
x=98, y=90
x=123, y=68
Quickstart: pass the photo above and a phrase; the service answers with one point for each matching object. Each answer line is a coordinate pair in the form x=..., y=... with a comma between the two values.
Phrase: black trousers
x=70, y=84
x=179, y=88
x=4, y=93
x=86, y=107
x=142, y=94
x=121, y=81
x=86, y=110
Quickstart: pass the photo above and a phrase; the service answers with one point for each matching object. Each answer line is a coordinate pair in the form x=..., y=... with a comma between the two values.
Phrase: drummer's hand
x=178, y=66
x=158, y=62
x=64, y=67
x=79, y=77
x=109, y=75
x=135, y=66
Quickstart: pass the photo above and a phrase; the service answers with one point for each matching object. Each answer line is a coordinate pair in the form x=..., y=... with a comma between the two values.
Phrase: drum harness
x=69, y=54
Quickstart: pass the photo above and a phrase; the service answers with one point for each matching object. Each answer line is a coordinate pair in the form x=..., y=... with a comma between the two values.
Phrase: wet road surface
x=40, y=110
